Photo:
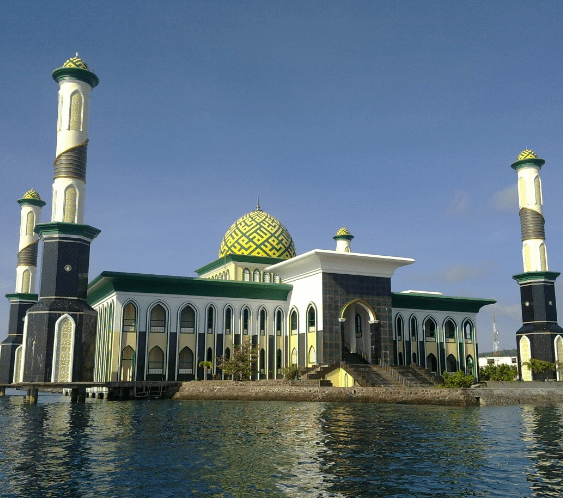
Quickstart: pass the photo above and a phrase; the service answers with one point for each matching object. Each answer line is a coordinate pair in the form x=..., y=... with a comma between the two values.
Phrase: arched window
x=228, y=319
x=128, y=364
x=30, y=223
x=262, y=361
x=432, y=363
x=451, y=363
x=26, y=282
x=399, y=326
x=430, y=329
x=543, y=257
x=63, y=350
x=358, y=325
x=158, y=319
x=210, y=320
x=312, y=355
x=18, y=365
x=76, y=111
x=414, y=329
x=156, y=361
x=129, y=318
x=400, y=358
x=279, y=361
x=449, y=330
x=293, y=322
x=414, y=358
x=262, y=321
x=69, y=213
x=227, y=354
x=228, y=275
x=537, y=189
x=245, y=320
x=277, y=279
x=186, y=361
x=279, y=322
x=209, y=356
x=470, y=366
x=559, y=356
x=294, y=356
x=267, y=278
x=256, y=276
x=468, y=330
x=187, y=320
x=522, y=191
x=525, y=355
x=246, y=275
x=311, y=319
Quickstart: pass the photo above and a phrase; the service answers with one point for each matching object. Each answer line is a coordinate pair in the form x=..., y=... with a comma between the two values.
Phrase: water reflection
x=542, y=433
x=277, y=449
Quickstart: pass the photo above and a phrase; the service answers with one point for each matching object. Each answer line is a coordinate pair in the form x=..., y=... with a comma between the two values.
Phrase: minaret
x=540, y=337
x=343, y=238
x=59, y=338
x=24, y=295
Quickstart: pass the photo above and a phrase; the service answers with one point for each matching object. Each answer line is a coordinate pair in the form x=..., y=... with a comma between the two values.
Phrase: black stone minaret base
x=64, y=284
x=19, y=304
x=539, y=318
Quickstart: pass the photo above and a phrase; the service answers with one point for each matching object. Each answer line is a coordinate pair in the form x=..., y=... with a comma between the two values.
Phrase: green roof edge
x=239, y=259
x=108, y=282
x=437, y=302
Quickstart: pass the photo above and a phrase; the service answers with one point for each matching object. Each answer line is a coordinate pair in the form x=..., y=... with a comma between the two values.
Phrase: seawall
x=312, y=391
x=546, y=393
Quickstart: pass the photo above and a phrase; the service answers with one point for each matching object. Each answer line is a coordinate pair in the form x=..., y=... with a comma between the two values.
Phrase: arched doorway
x=355, y=319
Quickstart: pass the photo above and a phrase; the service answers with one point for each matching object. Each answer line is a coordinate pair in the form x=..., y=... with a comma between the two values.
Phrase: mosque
x=306, y=309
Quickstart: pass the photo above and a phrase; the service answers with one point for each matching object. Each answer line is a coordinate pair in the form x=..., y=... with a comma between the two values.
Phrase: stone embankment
x=510, y=393
x=280, y=390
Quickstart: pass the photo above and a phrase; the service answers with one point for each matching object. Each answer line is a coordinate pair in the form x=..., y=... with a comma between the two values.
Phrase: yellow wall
x=340, y=378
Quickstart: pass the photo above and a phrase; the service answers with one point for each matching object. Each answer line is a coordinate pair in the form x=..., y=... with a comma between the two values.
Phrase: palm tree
x=205, y=365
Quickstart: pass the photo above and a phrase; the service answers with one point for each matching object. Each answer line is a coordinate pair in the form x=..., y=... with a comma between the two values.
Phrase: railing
x=397, y=376
x=362, y=354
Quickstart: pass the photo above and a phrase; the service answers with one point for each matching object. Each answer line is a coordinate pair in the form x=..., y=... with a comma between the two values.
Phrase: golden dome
x=32, y=194
x=76, y=62
x=343, y=231
x=527, y=154
x=258, y=234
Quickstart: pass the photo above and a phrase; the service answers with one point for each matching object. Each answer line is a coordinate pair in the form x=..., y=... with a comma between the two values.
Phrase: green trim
x=21, y=296
x=530, y=276
x=435, y=302
x=347, y=237
x=109, y=282
x=77, y=74
x=58, y=227
x=523, y=162
x=33, y=202
x=237, y=258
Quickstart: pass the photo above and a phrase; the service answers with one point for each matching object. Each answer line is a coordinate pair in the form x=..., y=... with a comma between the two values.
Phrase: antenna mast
x=495, y=337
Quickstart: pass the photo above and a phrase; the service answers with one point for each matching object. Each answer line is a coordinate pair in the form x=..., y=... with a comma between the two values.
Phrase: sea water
x=163, y=448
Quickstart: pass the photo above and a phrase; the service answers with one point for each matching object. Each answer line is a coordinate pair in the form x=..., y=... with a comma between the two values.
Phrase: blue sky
x=398, y=120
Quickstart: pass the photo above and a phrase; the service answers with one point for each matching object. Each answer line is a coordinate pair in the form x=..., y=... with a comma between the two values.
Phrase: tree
x=459, y=379
x=205, y=365
x=242, y=362
x=540, y=366
x=503, y=373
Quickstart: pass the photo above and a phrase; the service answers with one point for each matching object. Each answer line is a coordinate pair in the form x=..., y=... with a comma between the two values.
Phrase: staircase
x=414, y=377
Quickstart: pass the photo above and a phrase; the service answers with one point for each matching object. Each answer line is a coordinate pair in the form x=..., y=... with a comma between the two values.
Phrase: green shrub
x=504, y=373
x=459, y=379
x=290, y=372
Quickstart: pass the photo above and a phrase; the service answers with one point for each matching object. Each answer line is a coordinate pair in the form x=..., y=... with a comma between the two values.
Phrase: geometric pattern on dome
x=76, y=62
x=31, y=194
x=343, y=231
x=258, y=234
x=527, y=154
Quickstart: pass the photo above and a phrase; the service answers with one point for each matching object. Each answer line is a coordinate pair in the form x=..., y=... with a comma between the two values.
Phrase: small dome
x=527, y=154
x=32, y=194
x=258, y=234
x=76, y=62
x=343, y=231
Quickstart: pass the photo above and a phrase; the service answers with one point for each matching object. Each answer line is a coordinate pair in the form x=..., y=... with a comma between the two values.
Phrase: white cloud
x=506, y=199
x=457, y=273
x=460, y=203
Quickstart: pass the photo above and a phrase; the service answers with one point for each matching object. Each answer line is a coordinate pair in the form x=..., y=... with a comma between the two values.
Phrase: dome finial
x=258, y=203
